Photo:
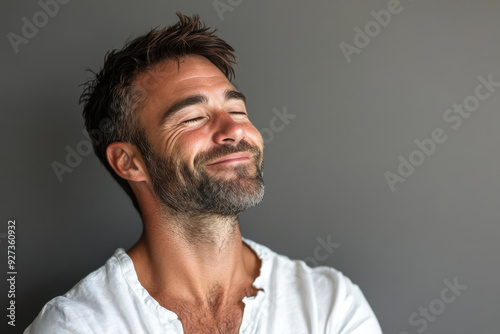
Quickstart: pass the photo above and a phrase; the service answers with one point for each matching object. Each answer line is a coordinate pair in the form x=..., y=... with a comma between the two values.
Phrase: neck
x=191, y=258
x=202, y=231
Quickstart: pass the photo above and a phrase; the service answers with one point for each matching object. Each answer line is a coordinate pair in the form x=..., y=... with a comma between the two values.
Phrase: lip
x=235, y=157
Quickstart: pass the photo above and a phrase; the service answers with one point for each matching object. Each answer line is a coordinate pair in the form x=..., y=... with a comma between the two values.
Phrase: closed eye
x=238, y=113
x=193, y=120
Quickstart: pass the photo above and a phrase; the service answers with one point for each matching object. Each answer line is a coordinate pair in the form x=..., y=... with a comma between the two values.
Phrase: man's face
x=203, y=154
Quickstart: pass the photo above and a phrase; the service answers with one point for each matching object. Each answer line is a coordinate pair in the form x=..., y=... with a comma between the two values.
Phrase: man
x=180, y=143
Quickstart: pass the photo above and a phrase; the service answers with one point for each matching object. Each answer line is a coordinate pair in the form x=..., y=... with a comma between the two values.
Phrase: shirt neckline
x=251, y=303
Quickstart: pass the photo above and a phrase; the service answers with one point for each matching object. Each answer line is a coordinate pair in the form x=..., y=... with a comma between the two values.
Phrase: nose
x=227, y=130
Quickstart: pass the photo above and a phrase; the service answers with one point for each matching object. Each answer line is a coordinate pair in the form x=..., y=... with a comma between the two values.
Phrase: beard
x=183, y=191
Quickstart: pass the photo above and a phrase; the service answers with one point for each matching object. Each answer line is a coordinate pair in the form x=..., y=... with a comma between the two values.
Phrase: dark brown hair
x=112, y=103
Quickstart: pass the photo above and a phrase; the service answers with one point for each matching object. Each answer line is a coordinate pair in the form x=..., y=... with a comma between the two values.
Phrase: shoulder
x=324, y=293
x=281, y=268
x=79, y=310
x=60, y=315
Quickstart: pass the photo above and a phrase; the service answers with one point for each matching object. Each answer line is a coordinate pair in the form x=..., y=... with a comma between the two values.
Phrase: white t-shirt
x=295, y=299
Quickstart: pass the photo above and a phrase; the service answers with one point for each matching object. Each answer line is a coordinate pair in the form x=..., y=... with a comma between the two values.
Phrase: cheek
x=188, y=144
x=255, y=135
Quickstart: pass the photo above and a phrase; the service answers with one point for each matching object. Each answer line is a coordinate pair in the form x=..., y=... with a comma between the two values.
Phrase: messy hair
x=111, y=101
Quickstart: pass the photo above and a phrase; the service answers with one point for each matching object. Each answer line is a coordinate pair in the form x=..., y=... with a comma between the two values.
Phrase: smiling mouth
x=232, y=158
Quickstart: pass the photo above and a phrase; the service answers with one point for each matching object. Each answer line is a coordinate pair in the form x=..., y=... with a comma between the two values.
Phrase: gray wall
x=324, y=170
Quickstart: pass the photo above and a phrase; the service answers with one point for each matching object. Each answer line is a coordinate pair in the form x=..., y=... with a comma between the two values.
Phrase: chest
x=197, y=320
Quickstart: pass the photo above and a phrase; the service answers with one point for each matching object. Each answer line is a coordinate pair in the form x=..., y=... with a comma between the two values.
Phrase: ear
x=126, y=161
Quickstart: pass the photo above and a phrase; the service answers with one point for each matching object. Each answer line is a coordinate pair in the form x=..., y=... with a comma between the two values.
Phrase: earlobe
x=125, y=161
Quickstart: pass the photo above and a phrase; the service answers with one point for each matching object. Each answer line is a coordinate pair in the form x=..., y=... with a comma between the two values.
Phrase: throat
x=204, y=232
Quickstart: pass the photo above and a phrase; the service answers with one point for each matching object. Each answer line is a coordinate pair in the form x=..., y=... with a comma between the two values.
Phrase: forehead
x=177, y=76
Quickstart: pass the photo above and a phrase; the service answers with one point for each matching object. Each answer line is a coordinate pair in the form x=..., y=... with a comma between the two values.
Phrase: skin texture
x=192, y=263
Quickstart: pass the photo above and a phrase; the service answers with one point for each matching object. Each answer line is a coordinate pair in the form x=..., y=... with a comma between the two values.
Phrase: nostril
x=229, y=131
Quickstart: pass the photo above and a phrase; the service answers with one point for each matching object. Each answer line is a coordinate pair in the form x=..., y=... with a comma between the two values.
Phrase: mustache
x=220, y=151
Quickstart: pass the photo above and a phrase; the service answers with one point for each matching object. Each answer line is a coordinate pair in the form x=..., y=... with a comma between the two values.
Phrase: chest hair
x=213, y=317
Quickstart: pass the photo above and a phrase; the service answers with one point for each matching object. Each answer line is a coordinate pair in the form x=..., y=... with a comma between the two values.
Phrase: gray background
x=324, y=171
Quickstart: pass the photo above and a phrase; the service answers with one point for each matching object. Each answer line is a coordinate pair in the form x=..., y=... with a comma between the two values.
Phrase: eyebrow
x=234, y=94
x=199, y=99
